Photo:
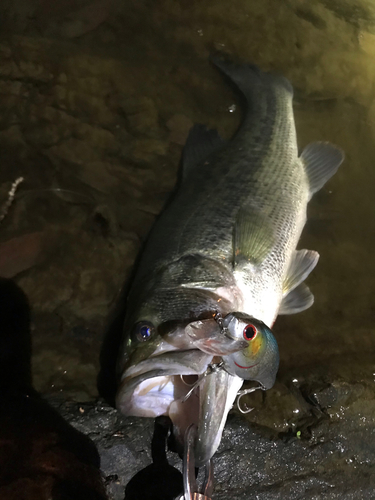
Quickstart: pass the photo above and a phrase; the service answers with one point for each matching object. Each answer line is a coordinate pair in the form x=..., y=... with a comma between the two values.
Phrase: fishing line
x=212, y=368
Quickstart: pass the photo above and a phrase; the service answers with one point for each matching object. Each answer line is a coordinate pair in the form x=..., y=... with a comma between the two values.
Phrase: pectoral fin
x=253, y=237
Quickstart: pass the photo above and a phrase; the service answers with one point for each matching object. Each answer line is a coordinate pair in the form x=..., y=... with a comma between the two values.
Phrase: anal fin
x=297, y=300
x=301, y=266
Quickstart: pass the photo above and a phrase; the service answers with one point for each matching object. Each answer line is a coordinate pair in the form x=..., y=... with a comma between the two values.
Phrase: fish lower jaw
x=151, y=398
x=162, y=395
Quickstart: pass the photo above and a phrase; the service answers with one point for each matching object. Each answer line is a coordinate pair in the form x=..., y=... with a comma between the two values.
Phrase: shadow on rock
x=107, y=378
x=41, y=456
x=158, y=481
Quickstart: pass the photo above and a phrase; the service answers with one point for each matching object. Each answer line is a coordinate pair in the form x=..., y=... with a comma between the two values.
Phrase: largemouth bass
x=220, y=264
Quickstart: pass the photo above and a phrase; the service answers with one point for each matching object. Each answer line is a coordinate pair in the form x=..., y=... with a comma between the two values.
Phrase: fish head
x=259, y=360
x=162, y=370
x=158, y=367
x=169, y=370
x=170, y=361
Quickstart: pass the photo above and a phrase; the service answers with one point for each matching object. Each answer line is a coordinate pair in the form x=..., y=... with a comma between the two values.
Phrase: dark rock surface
x=96, y=99
x=328, y=452
x=124, y=444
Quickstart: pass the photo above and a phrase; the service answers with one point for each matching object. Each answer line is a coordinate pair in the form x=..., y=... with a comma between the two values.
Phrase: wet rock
x=141, y=115
x=105, y=221
x=13, y=138
x=250, y=463
x=123, y=444
x=69, y=20
x=95, y=174
x=74, y=151
x=148, y=149
x=278, y=409
x=65, y=369
x=21, y=253
x=179, y=126
x=47, y=298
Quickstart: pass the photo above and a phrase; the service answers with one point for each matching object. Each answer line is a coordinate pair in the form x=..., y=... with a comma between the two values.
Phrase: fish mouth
x=159, y=386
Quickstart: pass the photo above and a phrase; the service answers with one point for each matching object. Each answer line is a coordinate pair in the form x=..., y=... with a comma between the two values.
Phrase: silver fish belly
x=226, y=243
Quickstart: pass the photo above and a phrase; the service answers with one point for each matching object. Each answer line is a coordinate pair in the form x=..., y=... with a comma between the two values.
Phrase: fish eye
x=143, y=331
x=249, y=332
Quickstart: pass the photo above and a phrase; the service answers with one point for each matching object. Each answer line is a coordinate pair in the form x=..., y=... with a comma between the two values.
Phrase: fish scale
x=208, y=226
x=223, y=251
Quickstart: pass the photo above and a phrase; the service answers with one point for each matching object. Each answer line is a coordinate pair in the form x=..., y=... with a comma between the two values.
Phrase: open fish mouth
x=160, y=385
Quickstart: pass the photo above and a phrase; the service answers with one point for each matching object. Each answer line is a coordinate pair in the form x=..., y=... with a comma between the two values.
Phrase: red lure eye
x=249, y=332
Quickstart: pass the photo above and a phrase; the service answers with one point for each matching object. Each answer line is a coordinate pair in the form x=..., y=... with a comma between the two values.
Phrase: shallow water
x=97, y=98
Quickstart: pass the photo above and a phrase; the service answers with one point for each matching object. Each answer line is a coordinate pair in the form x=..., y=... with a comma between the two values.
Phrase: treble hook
x=242, y=393
x=185, y=383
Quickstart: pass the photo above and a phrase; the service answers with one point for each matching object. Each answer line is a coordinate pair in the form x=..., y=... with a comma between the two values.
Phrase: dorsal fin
x=302, y=264
x=321, y=161
x=297, y=300
x=253, y=237
x=200, y=144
